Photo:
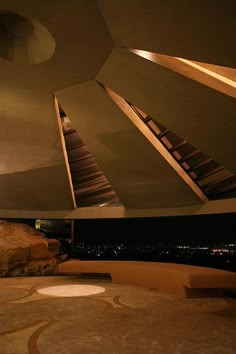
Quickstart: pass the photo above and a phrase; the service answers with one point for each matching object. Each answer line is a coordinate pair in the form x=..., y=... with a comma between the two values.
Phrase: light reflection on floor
x=123, y=319
x=71, y=290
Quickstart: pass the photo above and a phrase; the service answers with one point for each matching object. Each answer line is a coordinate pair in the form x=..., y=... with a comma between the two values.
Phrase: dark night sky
x=218, y=227
x=203, y=228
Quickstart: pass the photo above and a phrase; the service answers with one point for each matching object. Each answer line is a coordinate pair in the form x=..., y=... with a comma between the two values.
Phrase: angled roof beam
x=125, y=107
x=206, y=74
x=64, y=150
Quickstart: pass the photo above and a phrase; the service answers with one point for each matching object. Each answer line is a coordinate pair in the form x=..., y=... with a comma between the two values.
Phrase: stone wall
x=26, y=251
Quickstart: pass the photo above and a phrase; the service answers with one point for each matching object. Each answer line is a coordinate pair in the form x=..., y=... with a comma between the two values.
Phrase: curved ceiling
x=88, y=36
x=24, y=40
x=29, y=135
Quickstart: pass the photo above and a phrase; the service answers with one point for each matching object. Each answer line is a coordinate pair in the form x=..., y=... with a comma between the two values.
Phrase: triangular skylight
x=91, y=187
x=213, y=179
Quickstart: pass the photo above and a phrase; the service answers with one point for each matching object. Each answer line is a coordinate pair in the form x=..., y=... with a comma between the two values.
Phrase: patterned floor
x=124, y=319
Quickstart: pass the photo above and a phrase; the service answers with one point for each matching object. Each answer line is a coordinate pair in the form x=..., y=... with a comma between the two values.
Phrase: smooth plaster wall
x=32, y=169
x=201, y=115
x=198, y=30
x=138, y=174
x=43, y=188
x=212, y=207
x=78, y=213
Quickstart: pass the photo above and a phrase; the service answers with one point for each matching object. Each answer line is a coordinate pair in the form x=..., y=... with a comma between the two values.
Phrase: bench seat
x=180, y=279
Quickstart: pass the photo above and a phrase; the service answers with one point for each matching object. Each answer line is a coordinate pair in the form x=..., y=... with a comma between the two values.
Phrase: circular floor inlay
x=71, y=290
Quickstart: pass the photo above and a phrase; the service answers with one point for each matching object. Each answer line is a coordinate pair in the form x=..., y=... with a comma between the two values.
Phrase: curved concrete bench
x=179, y=279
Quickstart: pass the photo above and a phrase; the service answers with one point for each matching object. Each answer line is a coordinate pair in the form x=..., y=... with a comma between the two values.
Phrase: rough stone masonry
x=26, y=251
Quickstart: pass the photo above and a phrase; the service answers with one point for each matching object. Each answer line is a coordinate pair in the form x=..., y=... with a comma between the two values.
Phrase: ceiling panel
x=195, y=112
x=197, y=30
x=138, y=174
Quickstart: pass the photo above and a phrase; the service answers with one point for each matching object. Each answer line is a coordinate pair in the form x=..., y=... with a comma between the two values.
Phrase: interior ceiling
x=201, y=31
x=85, y=32
x=82, y=44
x=139, y=175
x=220, y=78
x=30, y=140
x=203, y=116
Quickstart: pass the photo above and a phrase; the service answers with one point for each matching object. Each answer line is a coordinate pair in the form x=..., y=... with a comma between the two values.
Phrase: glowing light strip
x=209, y=72
x=64, y=151
x=194, y=71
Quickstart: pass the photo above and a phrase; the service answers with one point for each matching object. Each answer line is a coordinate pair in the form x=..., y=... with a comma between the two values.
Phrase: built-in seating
x=179, y=279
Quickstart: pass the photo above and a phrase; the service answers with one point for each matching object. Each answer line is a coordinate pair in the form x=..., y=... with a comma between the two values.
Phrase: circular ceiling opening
x=71, y=290
x=24, y=40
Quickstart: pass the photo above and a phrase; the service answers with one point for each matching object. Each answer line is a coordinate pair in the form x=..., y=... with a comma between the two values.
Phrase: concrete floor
x=122, y=319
